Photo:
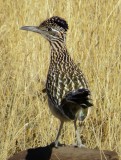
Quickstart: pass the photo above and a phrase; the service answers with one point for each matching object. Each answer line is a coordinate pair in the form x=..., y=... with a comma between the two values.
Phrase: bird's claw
x=58, y=144
x=81, y=146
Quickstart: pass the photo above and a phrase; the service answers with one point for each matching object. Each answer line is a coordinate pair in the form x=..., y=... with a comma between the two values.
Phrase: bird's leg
x=56, y=141
x=79, y=141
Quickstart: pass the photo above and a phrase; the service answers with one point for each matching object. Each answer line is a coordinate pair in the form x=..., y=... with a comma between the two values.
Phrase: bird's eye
x=49, y=29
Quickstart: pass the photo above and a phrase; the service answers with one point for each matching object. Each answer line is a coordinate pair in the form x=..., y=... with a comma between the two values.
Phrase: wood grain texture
x=64, y=153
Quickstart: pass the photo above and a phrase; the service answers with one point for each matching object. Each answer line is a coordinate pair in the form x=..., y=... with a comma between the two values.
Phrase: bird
x=69, y=97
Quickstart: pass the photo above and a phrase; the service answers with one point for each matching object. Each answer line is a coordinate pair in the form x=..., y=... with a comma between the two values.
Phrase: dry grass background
x=93, y=40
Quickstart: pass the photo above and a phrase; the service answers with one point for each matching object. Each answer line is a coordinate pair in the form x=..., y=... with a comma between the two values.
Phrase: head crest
x=58, y=21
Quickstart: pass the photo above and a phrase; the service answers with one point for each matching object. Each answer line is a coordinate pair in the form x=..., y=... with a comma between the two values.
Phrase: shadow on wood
x=40, y=153
x=64, y=153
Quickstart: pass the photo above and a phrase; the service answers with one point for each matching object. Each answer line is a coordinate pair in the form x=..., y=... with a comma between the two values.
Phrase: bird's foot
x=58, y=144
x=80, y=145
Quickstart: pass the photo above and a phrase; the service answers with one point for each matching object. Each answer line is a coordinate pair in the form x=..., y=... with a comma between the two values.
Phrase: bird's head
x=52, y=29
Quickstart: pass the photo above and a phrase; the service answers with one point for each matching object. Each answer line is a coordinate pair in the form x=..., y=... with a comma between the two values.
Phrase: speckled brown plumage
x=66, y=87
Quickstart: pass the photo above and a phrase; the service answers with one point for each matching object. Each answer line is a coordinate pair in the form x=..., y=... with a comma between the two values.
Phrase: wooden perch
x=64, y=153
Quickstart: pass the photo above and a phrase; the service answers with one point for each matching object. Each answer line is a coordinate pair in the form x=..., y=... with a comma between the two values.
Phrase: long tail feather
x=80, y=96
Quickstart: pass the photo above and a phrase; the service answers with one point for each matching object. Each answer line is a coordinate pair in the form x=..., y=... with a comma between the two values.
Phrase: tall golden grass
x=93, y=41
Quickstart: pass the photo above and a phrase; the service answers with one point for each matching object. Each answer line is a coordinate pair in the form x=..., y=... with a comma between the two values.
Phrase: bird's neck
x=59, y=52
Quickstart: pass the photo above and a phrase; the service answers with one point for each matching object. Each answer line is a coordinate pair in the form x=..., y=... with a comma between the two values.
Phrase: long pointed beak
x=31, y=28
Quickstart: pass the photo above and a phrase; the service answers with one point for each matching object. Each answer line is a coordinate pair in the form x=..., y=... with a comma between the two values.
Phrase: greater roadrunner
x=66, y=87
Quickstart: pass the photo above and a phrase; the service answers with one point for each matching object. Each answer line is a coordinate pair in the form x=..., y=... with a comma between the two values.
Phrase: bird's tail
x=81, y=97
